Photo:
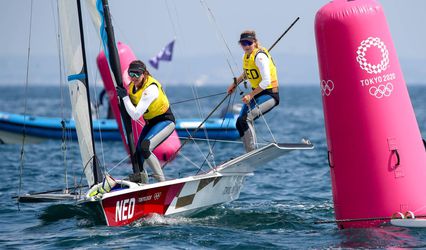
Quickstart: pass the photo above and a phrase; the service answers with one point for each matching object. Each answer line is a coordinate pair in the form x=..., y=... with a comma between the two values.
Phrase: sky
x=206, y=32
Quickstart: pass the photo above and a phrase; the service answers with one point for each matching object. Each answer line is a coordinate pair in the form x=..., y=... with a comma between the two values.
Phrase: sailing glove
x=121, y=92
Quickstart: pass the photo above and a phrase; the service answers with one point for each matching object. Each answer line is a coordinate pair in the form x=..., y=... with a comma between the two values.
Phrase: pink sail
x=376, y=154
x=165, y=150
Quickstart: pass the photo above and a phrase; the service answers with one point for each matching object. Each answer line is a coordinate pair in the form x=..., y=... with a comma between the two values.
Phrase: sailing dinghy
x=121, y=202
x=128, y=202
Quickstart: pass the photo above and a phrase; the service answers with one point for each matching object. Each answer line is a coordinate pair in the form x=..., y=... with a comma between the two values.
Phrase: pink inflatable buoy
x=376, y=154
x=165, y=150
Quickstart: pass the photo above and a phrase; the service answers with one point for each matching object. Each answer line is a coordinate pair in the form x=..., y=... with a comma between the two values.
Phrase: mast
x=114, y=62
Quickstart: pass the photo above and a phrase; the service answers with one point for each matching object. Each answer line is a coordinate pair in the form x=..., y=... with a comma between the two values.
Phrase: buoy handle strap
x=397, y=157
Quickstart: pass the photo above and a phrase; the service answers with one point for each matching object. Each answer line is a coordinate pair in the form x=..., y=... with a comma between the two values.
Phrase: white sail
x=76, y=76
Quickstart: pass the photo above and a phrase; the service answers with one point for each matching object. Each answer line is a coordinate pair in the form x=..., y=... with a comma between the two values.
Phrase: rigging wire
x=263, y=118
x=92, y=158
x=190, y=161
x=202, y=139
x=22, y=158
x=193, y=140
x=220, y=36
x=94, y=87
x=194, y=91
x=174, y=14
x=118, y=29
x=103, y=165
x=118, y=164
x=206, y=134
x=61, y=83
x=171, y=18
x=198, y=98
x=199, y=126
x=385, y=218
x=214, y=142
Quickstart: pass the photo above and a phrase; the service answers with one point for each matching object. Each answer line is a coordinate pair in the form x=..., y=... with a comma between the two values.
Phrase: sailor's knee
x=145, y=144
x=241, y=120
x=242, y=124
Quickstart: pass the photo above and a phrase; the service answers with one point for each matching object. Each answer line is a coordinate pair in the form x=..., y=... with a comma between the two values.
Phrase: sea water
x=278, y=207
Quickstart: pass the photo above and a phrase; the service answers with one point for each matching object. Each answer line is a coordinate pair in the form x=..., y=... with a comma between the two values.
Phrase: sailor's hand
x=247, y=98
x=231, y=88
x=121, y=92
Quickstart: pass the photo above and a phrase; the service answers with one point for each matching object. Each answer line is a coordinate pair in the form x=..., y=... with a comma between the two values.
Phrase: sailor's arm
x=234, y=85
x=148, y=96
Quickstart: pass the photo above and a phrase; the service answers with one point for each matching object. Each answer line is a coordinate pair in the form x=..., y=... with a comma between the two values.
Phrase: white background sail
x=73, y=55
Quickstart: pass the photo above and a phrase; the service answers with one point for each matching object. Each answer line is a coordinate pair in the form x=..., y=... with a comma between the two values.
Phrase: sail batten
x=76, y=77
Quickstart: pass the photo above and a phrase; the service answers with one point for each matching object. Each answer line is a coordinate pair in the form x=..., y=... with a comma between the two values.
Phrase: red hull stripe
x=124, y=209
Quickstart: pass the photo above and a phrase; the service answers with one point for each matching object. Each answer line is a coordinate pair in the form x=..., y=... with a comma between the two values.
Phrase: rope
x=198, y=98
x=219, y=32
x=118, y=164
x=93, y=158
x=196, y=130
x=214, y=142
x=22, y=155
x=264, y=120
x=360, y=219
x=61, y=83
x=190, y=138
x=103, y=165
x=204, y=128
x=193, y=163
x=201, y=139
x=171, y=18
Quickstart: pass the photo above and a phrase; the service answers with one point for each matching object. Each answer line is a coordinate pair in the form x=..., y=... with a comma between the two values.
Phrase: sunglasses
x=133, y=74
x=246, y=43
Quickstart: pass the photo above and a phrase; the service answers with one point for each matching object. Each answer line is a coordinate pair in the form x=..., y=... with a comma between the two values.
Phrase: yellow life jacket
x=158, y=107
x=252, y=72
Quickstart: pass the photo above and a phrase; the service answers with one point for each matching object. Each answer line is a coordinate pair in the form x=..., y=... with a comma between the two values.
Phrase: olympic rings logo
x=362, y=50
x=381, y=90
x=326, y=87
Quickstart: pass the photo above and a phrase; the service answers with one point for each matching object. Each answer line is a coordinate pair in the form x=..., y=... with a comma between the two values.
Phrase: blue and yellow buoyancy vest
x=252, y=72
x=158, y=107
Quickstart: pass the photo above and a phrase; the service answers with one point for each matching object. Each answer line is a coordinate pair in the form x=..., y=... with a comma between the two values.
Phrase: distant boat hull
x=38, y=129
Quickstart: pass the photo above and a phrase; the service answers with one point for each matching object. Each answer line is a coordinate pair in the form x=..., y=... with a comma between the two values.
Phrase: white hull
x=182, y=196
x=15, y=138
x=409, y=222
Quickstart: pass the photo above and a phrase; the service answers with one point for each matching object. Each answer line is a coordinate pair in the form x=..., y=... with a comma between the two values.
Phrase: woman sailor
x=146, y=97
x=259, y=69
